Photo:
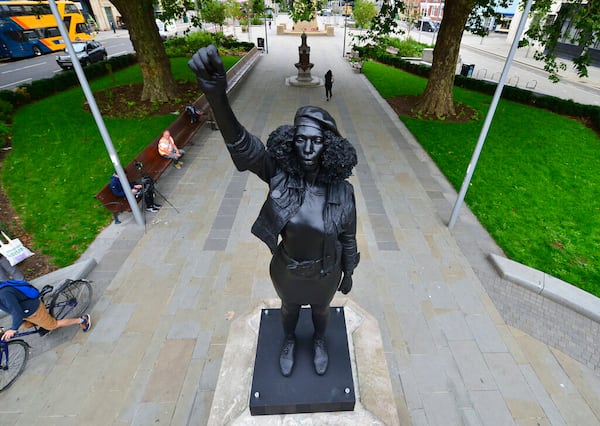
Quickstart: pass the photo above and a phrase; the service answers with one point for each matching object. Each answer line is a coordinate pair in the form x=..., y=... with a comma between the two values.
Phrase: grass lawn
x=536, y=185
x=59, y=162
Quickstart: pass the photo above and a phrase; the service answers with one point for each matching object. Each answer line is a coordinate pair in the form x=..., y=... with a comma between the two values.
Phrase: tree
x=384, y=23
x=158, y=81
x=258, y=7
x=438, y=100
x=232, y=9
x=213, y=11
x=303, y=10
x=364, y=12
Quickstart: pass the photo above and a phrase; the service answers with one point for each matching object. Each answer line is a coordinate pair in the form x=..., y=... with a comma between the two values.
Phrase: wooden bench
x=182, y=130
x=152, y=163
x=355, y=61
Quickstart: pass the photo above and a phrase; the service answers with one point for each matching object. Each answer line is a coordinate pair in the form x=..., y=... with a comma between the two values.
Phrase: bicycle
x=70, y=301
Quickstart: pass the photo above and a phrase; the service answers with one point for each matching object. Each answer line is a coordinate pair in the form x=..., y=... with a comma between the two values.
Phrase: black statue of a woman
x=310, y=205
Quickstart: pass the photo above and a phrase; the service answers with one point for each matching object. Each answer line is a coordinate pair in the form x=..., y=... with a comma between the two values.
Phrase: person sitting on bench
x=147, y=189
x=168, y=149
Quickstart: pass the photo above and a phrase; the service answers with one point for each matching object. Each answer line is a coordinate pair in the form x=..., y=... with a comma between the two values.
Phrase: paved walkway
x=166, y=296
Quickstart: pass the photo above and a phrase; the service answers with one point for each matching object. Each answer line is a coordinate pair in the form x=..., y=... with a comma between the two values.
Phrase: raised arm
x=208, y=67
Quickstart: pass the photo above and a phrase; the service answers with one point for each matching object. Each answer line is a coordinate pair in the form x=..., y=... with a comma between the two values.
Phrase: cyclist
x=27, y=312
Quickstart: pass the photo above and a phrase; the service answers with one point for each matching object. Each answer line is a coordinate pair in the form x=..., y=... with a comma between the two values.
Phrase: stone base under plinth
x=375, y=404
x=303, y=81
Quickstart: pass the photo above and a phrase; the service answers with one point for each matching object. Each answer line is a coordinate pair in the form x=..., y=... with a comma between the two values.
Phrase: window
x=71, y=8
x=30, y=35
x=82, y=28
x=52, y=32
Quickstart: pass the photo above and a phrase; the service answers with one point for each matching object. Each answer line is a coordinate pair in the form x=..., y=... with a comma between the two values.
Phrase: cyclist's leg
x=71, y=300
x=13, y=357
x=42, y=318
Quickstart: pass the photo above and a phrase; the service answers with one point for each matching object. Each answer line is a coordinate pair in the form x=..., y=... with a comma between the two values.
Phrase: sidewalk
x=489, y=56
x=165, y=298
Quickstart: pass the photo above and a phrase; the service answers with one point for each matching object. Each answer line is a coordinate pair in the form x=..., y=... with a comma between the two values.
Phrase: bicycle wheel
x=71, y=299
x=13, y=357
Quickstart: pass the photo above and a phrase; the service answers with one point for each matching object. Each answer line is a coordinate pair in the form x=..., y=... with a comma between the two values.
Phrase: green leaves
x=303, y=10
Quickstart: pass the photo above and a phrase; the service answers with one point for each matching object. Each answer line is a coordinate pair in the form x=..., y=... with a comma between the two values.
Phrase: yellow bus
x=28, y=28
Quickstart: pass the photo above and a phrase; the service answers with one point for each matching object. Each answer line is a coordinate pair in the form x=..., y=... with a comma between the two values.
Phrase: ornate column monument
x=304, y=77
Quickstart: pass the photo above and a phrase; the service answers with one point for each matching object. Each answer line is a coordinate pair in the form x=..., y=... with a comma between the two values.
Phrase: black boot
x=321, y=359
x=286, y=359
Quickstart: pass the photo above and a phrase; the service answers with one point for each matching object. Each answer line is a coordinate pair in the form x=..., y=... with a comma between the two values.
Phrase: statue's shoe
x=286, y=359
x=321, y=359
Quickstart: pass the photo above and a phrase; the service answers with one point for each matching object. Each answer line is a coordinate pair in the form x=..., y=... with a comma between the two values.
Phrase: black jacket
x=285, y=197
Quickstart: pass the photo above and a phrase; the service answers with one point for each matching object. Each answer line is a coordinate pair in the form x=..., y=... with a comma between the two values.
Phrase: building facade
x=100, y=14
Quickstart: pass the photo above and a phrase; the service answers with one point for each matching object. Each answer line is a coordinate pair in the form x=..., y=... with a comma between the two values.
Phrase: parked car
x=429, y=26
x=87, y=51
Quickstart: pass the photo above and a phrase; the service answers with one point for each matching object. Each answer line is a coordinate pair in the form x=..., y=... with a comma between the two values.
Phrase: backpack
x=23, y=286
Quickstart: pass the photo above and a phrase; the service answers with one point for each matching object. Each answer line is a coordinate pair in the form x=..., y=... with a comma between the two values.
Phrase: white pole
x=345, y=25
x=488, y=118
x=112, y=153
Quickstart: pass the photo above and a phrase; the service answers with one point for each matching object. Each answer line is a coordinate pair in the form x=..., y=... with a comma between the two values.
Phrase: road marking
x=24, y=68
x=14, y=83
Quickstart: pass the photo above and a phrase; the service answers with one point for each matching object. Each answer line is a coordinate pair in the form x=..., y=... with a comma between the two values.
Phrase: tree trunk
x=438, y=99
x=158, y=81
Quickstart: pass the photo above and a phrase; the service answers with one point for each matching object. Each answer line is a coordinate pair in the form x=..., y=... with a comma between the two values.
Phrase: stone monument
x=304, y=77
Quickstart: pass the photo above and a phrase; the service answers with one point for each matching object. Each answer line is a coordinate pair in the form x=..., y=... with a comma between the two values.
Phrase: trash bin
x=260, y=43
x=467, y=70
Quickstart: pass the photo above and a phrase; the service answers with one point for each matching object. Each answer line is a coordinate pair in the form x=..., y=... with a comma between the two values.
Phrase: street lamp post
x=345, y=25
x=266, y=39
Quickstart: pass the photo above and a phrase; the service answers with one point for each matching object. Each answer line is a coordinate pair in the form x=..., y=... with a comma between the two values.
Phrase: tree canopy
x=303, y=10
x=364, y=12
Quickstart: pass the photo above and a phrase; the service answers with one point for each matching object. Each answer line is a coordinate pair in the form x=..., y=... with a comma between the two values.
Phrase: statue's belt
x=304, y=268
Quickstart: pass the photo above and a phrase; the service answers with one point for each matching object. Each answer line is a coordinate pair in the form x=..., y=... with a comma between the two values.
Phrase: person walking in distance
x=328, y=84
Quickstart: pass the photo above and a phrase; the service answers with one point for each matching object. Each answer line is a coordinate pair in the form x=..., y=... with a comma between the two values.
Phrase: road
x=23, y=71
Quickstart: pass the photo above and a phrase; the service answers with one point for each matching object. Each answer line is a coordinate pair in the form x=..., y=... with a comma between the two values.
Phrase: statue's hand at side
x=210, y=72
x=346, y=284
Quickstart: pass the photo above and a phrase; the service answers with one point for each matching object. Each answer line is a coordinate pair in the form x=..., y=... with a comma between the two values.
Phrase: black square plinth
x=304, y=391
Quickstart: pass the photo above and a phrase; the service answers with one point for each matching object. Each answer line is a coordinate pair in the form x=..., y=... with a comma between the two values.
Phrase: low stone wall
x=298, y=29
